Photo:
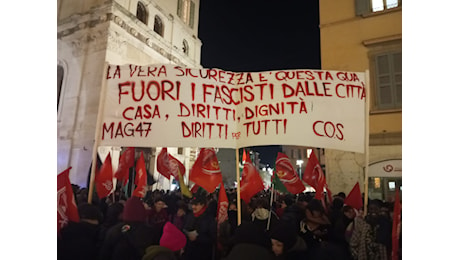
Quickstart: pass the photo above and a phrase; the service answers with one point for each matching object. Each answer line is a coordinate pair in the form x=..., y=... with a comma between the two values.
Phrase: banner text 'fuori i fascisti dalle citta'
x=165, y=105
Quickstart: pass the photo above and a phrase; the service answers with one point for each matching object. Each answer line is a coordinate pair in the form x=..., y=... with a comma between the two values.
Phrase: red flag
x=354, y=198
x=163, y=163
x=141, y=178
x=177, y=169
x=195, y=188
x=286, y=173
x=104, y=178
x=126, y=162
x=66, y=205
x=250, y=183
x=244, y=155
x=314, y=176
x=206, y=171
x=222, y=209
x=396, y=227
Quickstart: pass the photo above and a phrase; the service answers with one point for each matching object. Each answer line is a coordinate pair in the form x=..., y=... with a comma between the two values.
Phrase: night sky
x=260, y=35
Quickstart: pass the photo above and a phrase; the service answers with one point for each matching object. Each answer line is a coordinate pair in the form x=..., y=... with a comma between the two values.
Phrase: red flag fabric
x=244, y=155
x=396, y=227
x=66, y=205
x=250, y=183
x=195, y=188
x=206, y=170
x=222, y=210
x=177, y=169
x=126, y=162
x=314, y=176
x=286, y=173
x=354, y=198
x=141, y=178
x=104, y=178
x=163, y=163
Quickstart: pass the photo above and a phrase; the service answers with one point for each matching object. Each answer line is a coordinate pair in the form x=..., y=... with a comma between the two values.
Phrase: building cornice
x=380, y=40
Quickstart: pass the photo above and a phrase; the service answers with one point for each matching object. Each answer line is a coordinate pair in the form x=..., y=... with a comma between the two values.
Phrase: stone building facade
x=91, y=33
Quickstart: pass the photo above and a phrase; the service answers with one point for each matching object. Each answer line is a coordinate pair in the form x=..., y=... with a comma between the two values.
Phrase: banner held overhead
x=168, y=105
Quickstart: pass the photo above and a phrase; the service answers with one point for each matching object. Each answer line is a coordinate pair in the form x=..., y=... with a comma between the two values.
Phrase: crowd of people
x=167, y=225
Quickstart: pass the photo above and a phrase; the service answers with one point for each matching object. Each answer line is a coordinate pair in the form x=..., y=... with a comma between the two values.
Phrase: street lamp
x=299, y=165
x=309, y=152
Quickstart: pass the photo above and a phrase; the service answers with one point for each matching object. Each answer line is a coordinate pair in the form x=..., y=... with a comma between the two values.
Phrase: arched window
x=158, y=26
x=185, y=47
x=60, y=77
x=141, y=12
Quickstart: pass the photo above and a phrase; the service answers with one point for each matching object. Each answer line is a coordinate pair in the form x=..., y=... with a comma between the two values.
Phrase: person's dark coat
x=250, y=242
x=247, y=251
x=78, y=241
x=294, y=246
x=261, y=216
x=297, y=252
x=126, y=241
x=233, y=220
x=112, y=217
x=206, y=227
x=157, y=219
x=293, y=214
x=129, y=239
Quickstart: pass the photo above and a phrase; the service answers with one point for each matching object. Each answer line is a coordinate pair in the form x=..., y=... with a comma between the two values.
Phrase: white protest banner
x=166, y=105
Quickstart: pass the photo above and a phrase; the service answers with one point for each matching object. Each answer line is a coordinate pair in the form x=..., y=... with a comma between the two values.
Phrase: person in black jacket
x=79, y=241
x=200, y=228
x=286, y=243
x=250, y=242
x=111, y=218
x=129, y=239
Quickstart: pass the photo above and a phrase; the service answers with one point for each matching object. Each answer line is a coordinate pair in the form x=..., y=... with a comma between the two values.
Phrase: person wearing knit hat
x=134, y=210
x=172, y=237
x=130, y=238
x=171, y=244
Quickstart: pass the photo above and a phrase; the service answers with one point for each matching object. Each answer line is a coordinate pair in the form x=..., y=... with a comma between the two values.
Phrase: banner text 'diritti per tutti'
x=169, y=105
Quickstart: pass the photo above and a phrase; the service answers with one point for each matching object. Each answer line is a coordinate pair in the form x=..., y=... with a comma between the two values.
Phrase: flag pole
x=366, y=146
x=270, y=207
x=238, y=195
x=97, y=134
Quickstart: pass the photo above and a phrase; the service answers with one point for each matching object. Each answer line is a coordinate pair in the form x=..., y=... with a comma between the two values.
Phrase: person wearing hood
x=128, y=239
x=286, y=243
